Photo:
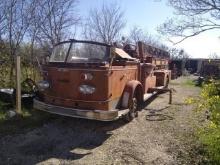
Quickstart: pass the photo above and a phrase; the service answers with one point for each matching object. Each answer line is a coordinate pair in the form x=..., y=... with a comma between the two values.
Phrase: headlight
x=42, y=85
x=86, y=89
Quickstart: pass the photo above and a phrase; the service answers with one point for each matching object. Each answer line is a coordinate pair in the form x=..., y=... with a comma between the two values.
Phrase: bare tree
x=104, y=24
x=138, y=34
x=18, y=14
x=214, y=56
x=178, y=54
x=192, y=18
x=2, y=20
x=25, y=23
x=54, y=20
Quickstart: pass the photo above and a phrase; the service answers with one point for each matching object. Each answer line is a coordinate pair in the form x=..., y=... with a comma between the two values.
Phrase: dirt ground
x=162, y=134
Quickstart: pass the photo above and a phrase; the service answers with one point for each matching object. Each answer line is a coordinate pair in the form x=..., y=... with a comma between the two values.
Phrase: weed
x=210, y=138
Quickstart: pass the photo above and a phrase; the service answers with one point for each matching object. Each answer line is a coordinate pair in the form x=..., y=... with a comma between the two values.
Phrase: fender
x=132, y=87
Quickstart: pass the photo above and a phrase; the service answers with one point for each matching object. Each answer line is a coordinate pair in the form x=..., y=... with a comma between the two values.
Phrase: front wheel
x=133, y=110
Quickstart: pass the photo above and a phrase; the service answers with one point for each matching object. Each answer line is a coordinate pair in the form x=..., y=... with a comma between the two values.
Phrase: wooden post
x=170, y=99
x=18, y=84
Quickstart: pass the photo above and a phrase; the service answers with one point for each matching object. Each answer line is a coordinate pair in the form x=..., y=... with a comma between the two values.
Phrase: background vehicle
x=93, y=80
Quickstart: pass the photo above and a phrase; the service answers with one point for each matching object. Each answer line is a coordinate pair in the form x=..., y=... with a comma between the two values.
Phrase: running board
x=149, y=95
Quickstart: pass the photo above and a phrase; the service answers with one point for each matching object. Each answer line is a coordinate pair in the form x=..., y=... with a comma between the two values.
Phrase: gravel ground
x=162, y=134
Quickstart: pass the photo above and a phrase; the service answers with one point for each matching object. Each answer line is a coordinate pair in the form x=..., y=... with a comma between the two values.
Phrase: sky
x=148, y=15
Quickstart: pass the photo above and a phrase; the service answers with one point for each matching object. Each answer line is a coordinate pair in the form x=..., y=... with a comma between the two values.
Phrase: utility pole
x=18, y=84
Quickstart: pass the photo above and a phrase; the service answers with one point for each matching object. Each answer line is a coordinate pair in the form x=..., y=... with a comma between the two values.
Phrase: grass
x=174, y=83
x=189, y=83
x=28, y=120
x=210, y=138
x=3, y=108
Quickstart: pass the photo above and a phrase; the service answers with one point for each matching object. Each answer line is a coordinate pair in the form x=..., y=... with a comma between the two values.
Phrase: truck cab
x=92, y=80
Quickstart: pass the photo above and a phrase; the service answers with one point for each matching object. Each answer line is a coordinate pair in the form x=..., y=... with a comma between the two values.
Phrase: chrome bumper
x=79, y=113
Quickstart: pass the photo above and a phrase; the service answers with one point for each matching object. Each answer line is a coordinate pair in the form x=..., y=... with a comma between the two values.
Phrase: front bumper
x=79, y=113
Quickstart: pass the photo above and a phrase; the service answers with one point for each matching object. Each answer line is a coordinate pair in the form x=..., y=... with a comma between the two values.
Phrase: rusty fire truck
x=93, y=80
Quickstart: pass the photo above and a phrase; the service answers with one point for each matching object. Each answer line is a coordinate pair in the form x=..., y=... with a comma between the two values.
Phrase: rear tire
x=133, y=110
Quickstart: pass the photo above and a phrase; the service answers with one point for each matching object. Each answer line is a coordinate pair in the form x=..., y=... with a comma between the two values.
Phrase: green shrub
x=209, y=100
x=209, y=136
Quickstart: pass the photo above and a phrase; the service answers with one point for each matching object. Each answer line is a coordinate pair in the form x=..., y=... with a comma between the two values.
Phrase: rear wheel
x=133, y=110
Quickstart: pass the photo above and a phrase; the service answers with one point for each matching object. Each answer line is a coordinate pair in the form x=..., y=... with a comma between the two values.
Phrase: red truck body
x=92, y=80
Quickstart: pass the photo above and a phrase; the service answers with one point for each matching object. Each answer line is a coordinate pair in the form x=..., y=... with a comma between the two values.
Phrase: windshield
x=59, y=52
x=79, y=52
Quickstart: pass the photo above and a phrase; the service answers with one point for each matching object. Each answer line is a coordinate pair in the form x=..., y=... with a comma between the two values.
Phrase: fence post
x=18, y=84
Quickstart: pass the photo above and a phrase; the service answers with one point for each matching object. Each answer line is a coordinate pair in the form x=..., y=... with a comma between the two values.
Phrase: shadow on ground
x=156, y=114
x=64, y=138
